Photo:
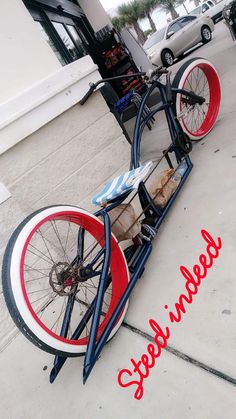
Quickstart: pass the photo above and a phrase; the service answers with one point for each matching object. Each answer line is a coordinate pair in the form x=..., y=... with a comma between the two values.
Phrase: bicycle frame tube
x=136, y=269
x=165, y=106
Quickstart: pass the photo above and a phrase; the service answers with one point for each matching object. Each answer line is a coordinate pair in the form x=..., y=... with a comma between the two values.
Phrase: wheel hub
x=63, y=278
x=169, y=58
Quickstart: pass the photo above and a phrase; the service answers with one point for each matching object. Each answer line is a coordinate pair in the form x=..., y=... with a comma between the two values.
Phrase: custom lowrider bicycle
x=66, y=279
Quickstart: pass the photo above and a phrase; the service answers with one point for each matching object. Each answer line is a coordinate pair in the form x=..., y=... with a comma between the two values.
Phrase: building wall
x=25, y=57
x=95, y=14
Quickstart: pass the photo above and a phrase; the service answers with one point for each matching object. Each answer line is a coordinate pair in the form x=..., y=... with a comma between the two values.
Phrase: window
x=78, y=38
x=64, y=26
x=50, y=43
x=205, y=7
x=186, y=20
x=154, y=39
x=67, y=40
x=175, y=27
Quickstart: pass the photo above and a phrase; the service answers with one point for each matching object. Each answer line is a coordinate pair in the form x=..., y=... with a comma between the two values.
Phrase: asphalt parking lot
x=196, y=377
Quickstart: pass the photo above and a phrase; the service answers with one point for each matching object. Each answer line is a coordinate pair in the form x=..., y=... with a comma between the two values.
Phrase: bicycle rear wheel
x=199, y=76
x=50, y=277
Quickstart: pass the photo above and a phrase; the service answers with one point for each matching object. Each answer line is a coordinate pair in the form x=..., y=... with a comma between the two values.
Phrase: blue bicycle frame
x=136, y=255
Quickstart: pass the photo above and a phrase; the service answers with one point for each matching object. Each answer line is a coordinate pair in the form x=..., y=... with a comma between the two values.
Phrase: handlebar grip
x=87, y=95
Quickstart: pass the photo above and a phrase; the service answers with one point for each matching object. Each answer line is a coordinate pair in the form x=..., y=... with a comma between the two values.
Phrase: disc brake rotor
x=63, y=278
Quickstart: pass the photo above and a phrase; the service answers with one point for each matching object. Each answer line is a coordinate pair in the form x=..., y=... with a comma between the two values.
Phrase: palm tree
x=118, y=23
x=181, y=2
x=148, y=7
x=131, y=12
x=169, y=5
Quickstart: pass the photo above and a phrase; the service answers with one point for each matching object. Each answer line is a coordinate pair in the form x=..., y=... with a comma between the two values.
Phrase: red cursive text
x=139, y=370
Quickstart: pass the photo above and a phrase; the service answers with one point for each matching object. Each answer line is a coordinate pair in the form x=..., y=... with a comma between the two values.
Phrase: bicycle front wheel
x=51, y=271
x=199, y=76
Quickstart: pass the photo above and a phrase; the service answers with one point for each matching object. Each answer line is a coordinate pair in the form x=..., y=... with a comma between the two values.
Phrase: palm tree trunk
x=185, y=7
x=139, y=32
x=152, y=24
x=172, y=11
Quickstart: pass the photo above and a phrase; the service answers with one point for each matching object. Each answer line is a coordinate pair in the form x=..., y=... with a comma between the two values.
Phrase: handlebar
x=88, y=94
x=157, y=72
x=148, y=76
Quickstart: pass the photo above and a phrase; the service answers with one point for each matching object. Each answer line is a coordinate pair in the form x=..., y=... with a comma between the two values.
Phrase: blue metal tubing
x=94, y=309
x=135, y=162
x=60, y=360
x=169, y=116
x=89, y=356
x=67, y=316
x=139, y=260
x=171, y=121
x=139, y=125
x=166, y=104
x=139, y=257
x=64, y=330
x=138, y=122
x=143, y=256
x=80, y=245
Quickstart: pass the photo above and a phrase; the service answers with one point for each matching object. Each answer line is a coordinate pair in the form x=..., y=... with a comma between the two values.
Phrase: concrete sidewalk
x=177, y=387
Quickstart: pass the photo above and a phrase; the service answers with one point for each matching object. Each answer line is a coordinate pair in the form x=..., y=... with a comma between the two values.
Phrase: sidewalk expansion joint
x=183, y=356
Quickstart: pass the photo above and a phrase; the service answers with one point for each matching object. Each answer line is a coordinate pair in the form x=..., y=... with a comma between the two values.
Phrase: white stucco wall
x=95, y=13
x=34, y=87
x=25, y=56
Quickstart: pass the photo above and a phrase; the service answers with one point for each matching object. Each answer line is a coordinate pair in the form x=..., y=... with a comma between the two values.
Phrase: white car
x=177, y=37
x=210, y=8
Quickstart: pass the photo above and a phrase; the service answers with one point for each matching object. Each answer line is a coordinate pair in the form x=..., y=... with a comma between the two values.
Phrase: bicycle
x=66, y=279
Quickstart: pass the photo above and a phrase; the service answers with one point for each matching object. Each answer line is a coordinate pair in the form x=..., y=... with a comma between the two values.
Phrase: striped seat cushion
x=122, y=184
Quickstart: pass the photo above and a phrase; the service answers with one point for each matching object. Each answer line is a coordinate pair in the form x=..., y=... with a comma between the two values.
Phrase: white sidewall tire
x=15, y=282
x=178, y=96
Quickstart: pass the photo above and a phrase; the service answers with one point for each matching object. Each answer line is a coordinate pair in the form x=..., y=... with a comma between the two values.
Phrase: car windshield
x=196, y=11
x=155, y=38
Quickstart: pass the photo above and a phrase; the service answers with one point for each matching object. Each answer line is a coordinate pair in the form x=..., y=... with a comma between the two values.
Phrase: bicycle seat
x=122, y=184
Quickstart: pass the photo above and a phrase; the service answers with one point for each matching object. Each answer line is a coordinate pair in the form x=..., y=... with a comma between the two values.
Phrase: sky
x=109, y=4
x=159, y=16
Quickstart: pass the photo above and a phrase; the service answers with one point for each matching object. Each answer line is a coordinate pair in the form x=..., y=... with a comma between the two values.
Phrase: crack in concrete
x=183, y=356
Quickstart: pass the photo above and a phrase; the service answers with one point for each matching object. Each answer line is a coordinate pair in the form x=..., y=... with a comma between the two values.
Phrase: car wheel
x=167, y=57
x=206, y=34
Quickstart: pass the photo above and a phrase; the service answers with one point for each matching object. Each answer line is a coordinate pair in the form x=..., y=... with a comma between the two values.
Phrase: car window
x=210, y=3
x=205, y=7
x=155, y=38
x=186, y=20
x=175, y=27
